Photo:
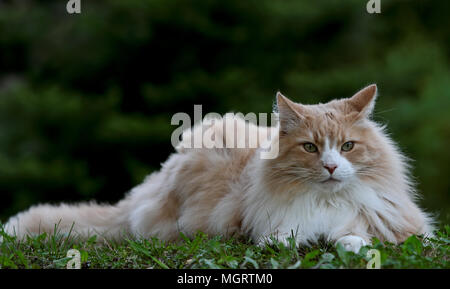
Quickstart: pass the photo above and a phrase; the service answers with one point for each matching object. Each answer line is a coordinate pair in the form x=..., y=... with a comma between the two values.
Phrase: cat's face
x=328, y=146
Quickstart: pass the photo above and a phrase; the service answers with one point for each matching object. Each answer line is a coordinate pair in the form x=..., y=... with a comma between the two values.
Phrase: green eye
x=309, y=147
x=348, y=146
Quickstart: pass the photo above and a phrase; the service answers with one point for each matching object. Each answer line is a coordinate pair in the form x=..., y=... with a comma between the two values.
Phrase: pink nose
x=330, y=168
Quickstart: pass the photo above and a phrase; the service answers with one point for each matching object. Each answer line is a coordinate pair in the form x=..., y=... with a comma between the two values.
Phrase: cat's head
x=329, y=145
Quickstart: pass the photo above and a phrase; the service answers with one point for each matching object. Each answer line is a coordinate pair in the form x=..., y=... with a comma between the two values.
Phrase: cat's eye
x=309, y=147
x=348, y=146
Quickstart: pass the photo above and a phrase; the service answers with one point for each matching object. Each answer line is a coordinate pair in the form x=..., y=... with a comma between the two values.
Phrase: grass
x=45, y=251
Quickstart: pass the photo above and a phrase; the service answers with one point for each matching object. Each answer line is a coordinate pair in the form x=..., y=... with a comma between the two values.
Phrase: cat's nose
x=330, y=168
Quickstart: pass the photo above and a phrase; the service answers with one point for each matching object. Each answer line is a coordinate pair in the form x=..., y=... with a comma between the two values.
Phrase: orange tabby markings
x=346, y=194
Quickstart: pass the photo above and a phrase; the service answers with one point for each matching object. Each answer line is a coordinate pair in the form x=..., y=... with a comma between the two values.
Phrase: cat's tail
x=81, y=221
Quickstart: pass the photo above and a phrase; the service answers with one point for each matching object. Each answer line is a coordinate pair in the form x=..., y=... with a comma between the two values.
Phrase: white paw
x=351, y=243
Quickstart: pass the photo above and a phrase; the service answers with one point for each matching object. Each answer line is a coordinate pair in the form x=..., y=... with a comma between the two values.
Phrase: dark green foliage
x=86, y=100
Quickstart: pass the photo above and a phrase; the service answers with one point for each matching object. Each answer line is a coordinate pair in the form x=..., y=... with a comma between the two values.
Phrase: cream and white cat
x=337, y=176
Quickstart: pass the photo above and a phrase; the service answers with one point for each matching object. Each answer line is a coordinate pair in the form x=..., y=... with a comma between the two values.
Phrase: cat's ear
x=289, y=113
x=363, y=102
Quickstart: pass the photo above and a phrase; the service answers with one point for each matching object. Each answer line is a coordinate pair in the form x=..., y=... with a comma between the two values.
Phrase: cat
x=338, y=176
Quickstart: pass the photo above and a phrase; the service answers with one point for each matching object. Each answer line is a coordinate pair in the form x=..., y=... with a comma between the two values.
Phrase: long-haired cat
x=337, y=176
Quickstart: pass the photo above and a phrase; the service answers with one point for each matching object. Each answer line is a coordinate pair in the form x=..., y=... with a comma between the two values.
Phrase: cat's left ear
x=289, y=113
x=363, y=102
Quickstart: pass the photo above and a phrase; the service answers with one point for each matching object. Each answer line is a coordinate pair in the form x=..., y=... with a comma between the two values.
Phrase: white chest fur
x=306, y=217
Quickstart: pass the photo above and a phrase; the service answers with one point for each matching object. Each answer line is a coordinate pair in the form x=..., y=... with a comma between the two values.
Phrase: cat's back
x=200, y=188
x=214, y=153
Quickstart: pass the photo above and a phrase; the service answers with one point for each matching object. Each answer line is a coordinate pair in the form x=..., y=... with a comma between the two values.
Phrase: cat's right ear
x=289, y=113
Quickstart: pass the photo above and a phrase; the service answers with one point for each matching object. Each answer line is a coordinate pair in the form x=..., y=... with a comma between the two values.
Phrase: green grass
x=214, y=252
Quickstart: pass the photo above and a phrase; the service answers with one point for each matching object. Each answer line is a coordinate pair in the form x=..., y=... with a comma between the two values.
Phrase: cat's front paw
x=351, y=243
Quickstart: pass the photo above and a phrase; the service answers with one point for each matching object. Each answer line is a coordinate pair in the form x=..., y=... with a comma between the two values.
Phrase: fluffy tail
x=82, y=220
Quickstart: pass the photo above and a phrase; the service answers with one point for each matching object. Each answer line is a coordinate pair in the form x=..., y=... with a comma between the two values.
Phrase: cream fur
x=233, y=191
